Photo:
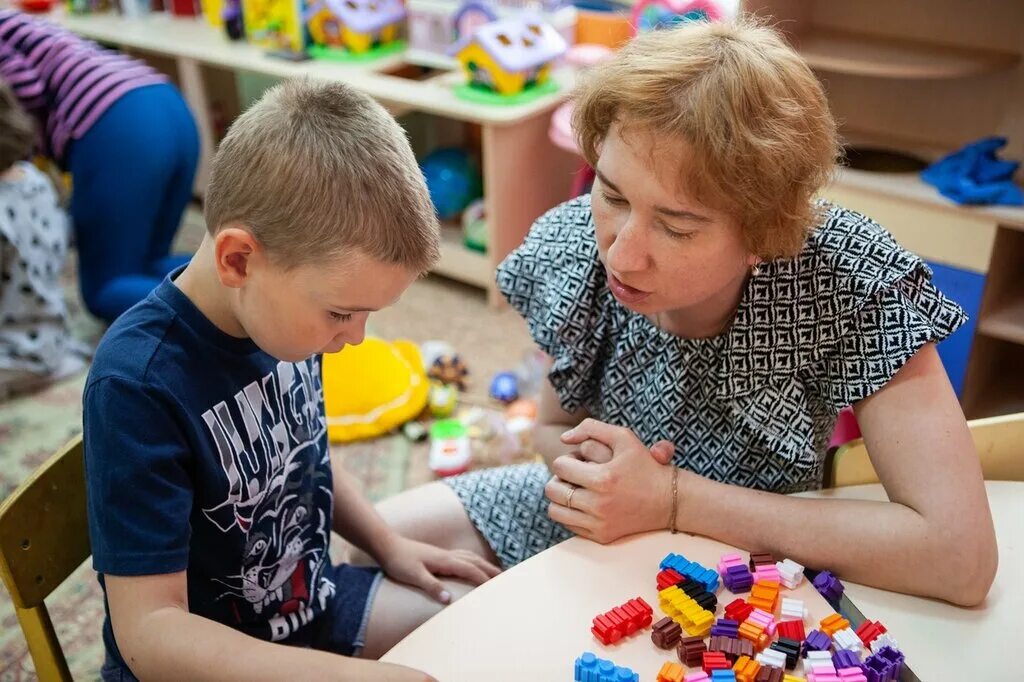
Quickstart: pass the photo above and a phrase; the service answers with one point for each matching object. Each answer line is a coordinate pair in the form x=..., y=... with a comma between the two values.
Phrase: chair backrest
x=44, y=537
x=999, y=440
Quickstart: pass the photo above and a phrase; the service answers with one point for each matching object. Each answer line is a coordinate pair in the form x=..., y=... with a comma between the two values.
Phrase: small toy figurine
x=449, y=370
x=450, y=450
x=504, y=387
x=443, y=400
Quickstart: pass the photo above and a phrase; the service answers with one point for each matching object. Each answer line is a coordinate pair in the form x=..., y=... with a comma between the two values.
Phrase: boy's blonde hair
x=763, y=140
x=317, y=170
x=17, y=131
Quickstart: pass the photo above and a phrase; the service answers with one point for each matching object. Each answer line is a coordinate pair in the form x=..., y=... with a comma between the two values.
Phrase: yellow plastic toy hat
x=373, y=388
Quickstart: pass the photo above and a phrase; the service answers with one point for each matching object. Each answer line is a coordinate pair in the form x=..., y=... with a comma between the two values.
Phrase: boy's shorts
x=341, y=629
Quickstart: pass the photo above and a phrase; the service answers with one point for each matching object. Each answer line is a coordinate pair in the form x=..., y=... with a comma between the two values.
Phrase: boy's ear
x=234, y=248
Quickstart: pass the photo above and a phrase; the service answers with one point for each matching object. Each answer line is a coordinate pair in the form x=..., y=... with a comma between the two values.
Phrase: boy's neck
x=200, y=284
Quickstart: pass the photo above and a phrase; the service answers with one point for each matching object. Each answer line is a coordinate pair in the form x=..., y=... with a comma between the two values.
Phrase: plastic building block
x=696, y=676
x=691, y=569
x=764, y=619
x=847, y=639
x=869, y=631
x=882, y=641
x=772, y=657
x=666, y=633
x=816, y=640
x=590, y=668
x=622, y=621
x=691, y=651
x=828, y=586
x=669, y=577
x=884, y=666
x=723, y=676
x=759, y=559
x=671, y=672
x=791, y=629
x=724, y=627
x=738, y=610
x=770, y=673
x=792, y=678
x=714, y=660
x=846, y=659
x=766, y=572
x=736, y=576
x=764, y=595
x=699, y=594
x=684, y=610
x=832, y=624
x=851, y=675
x=817, y=658
x=754, y=633
x=791, y=574
x=746, y=669
x=793, y=609
x=731, y=647
x=789, y=647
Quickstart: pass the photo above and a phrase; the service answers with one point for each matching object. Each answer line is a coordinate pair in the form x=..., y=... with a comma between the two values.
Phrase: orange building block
x=764, y=595
x=746, y=669
x=671, y=672
x=830, y=625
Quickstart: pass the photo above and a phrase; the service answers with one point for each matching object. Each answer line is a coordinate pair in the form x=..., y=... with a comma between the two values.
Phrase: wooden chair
x=1000, y=443
x=44, y=537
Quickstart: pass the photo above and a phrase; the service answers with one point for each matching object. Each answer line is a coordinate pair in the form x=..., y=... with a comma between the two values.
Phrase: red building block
x=869, y=632
x=714, y=660
x=622, y=621
x=669, y=577
x=738, y=610
x=791, y=629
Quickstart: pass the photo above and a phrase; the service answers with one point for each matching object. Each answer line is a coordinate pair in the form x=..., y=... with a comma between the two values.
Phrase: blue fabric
x=205, y=454
x=974, y=175
x=132, y=174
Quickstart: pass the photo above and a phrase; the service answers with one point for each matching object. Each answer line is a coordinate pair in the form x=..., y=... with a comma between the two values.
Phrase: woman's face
x=662, y=250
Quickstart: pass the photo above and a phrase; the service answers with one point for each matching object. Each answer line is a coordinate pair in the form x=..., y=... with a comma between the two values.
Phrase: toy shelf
x=524, y=174
x=846, y=52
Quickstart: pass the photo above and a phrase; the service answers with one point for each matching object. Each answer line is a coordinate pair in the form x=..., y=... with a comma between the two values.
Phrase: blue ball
x=452, y=179
x=504, y=387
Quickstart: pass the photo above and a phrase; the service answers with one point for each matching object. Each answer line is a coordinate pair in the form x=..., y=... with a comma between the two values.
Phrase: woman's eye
x=340, y=317
x=613, y=200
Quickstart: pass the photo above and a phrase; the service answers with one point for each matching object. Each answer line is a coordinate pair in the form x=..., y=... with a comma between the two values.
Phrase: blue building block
x=723, y=676
x=708, y=577
x=590, y=668
x=965, y=288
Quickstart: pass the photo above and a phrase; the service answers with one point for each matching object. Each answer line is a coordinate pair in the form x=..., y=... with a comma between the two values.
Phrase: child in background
x=129, y=141
x=35, y=344
x=211, y=491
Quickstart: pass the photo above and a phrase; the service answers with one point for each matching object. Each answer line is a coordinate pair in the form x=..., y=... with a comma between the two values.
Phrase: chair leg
x=51, y=666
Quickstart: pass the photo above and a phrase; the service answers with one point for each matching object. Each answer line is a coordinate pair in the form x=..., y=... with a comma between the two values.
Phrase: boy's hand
x=419, y=565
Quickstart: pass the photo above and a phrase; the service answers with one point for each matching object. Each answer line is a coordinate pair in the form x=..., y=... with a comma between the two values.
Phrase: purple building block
x=738, y=579
x=828, y=586
x=845, y=658
x=816, y=640
x=723, y=627
x=885, y=666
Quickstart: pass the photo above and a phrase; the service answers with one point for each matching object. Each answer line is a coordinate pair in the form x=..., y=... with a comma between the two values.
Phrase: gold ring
x=568, y=497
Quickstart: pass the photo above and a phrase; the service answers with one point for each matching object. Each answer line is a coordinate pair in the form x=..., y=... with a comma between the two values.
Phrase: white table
x=939, y=638
x=531, y=622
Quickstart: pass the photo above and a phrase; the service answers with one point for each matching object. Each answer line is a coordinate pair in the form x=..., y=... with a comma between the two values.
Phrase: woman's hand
x=613, y=485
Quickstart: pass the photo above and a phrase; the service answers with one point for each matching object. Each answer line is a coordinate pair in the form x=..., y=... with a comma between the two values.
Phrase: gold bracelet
x=675, y=499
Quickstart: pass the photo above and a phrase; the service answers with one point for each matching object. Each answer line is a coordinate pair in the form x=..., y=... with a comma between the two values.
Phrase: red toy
x=622, y=621
x=738, y=610
x=714, y=660
x=869, y=632
x=792, y=629
x=668, y=578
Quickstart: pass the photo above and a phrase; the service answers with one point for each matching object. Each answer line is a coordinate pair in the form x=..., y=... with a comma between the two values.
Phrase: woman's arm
x=934, y=538
x=552, y=422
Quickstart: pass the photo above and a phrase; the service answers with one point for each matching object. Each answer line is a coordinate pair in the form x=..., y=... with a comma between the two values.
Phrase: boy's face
x=294, y=313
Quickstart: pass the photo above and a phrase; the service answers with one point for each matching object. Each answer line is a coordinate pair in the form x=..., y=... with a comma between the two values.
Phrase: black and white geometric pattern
x=752, y=407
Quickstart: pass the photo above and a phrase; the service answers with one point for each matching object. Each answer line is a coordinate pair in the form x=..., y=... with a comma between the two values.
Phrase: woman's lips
x=625, y=293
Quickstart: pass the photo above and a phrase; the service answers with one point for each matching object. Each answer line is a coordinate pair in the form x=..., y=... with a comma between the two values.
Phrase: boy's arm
x=403, y=560
x=160, y=640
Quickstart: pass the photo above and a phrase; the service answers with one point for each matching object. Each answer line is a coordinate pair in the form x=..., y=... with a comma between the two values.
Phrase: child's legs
x=398, y=610
x=122, y=205
x=432, y=513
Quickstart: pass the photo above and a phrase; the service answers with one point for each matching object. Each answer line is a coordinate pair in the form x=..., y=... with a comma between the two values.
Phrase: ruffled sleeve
x=555, y=281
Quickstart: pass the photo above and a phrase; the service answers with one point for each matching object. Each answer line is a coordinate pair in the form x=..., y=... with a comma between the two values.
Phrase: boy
x=211, y=490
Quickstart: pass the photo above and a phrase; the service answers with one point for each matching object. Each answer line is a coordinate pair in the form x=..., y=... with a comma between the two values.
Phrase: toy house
x=355, y=26
x=509, y=55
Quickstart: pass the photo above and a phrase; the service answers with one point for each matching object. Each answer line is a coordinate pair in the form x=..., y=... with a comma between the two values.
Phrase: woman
x=700, y=300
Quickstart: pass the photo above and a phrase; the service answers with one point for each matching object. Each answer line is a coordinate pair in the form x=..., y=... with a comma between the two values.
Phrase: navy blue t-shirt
x=204, y=453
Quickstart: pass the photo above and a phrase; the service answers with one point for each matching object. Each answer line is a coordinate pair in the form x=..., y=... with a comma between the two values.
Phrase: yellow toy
x=274, y=24
x=355, y=26
x=373, y=388
x=510, y=55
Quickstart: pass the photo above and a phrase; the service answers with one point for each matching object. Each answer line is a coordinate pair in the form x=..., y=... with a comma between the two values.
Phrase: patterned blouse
x=756, y=405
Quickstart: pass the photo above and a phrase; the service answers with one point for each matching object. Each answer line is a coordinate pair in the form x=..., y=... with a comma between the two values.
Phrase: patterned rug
x=34, y=426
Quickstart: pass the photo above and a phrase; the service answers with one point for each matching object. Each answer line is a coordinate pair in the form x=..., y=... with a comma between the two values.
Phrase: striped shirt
x=65, y=81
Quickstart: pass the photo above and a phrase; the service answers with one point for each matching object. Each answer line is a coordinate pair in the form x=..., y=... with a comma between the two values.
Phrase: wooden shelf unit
x=846, y=52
